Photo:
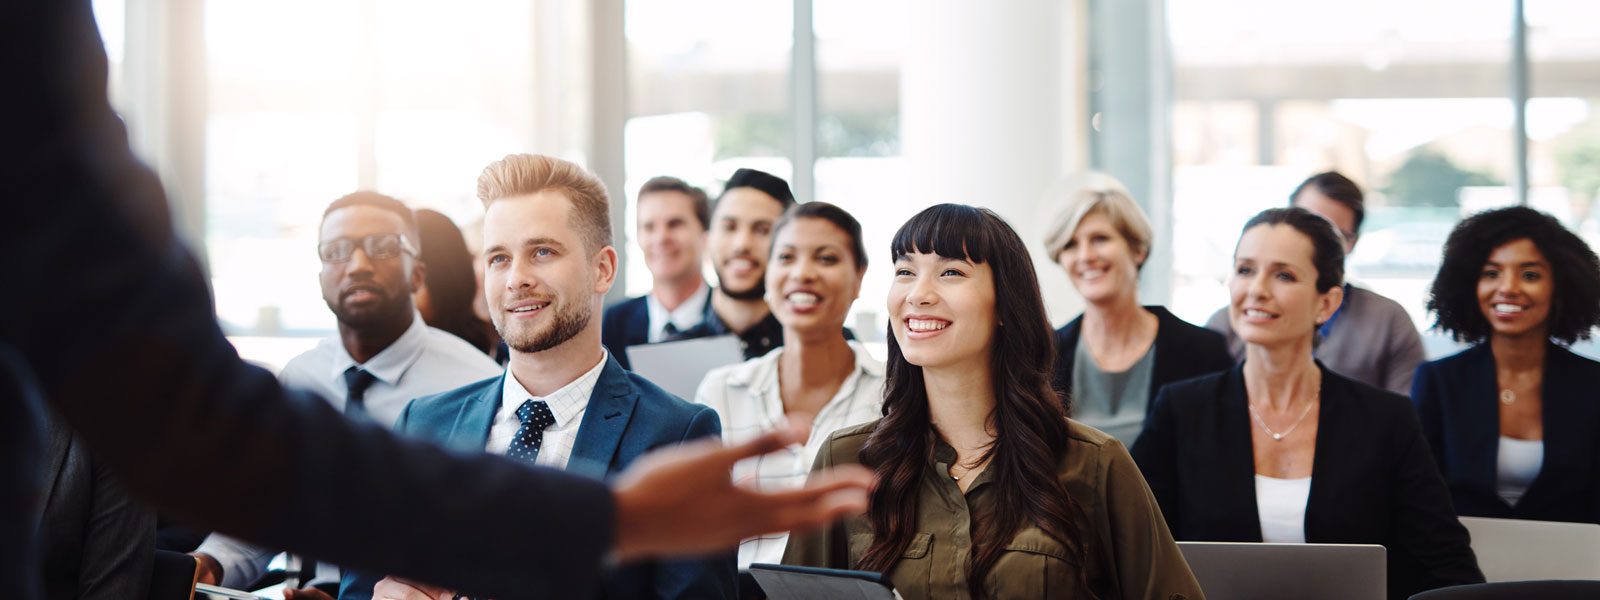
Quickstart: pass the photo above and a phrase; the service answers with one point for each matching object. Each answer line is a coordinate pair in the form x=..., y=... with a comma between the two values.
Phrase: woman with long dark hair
x=449, y=286
x=1282, y=449
x=974, y=454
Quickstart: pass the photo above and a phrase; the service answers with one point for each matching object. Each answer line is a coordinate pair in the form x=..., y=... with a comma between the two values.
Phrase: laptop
x=1302, y=571
x=1517, y=550
x=788, y=582
x=679, y=366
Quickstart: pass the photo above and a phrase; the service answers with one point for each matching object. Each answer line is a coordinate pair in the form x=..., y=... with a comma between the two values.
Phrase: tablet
x=202, y=590
x=678, y=366
x=786, y=582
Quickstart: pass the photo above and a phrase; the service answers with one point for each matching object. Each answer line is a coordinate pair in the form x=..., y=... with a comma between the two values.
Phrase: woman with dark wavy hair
x=974, y=454
x=1513, y=419
x=449, y=286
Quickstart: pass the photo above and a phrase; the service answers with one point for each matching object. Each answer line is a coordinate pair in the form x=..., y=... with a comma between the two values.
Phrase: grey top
x=1113, y=402
x=1372, y=340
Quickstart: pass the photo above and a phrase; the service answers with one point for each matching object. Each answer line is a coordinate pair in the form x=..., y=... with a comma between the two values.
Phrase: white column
x=992, y=97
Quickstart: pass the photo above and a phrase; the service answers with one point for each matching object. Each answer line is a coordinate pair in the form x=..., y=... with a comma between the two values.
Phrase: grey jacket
x=95, y=542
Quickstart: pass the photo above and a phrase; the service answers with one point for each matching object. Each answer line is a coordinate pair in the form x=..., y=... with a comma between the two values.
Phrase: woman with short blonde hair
x=1115, y=357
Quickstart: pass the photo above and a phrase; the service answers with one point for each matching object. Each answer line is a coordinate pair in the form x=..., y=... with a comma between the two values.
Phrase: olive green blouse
x=1130, y=552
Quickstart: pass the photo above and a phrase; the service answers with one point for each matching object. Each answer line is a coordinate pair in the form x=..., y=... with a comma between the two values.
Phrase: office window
x=357, y=101
x=708, y=85
x=1414, y=108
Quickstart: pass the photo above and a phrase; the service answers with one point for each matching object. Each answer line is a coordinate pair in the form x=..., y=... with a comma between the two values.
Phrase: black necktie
x=536, y=417
x=669, y=331
x=356, y=382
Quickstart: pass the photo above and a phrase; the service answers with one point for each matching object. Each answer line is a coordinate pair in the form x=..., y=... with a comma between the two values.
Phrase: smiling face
x=1274, y=288
x=1099, y=261
x=741, y=235
x=364, y=291
x=542, y=285
x=942, y=311
x=671, y=236
x=1515, y=289
x=813, y=278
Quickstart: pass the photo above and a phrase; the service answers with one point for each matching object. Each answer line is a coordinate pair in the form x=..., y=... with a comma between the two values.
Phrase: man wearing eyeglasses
x=382, y=356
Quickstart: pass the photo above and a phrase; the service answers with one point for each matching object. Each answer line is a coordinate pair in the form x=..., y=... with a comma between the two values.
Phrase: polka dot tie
x=536, y=417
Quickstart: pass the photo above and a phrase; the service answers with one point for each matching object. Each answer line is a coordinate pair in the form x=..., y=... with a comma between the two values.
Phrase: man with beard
x=673, y=218
x=739, y=243
x=564, y=401
x=383, y=354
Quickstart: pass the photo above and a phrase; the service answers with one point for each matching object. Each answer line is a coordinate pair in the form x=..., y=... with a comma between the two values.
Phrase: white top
x=1517, y=466
x=686, y=315
x=747, y=399
x=421, y=362
x=1281, y=503
x=567, y=405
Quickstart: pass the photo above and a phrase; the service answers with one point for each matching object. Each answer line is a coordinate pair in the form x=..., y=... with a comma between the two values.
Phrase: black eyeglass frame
x=341, y=250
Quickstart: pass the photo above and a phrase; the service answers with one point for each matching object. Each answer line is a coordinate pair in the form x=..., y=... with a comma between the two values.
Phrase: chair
x=174, y=576
x=1517, y=550
x=1516, y=590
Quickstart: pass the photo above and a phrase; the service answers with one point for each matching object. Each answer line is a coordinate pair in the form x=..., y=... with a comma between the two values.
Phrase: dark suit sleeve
x=1424, y=520
x=715, y=576
x=114, y=319
x=118, y=543
x=1155, y=451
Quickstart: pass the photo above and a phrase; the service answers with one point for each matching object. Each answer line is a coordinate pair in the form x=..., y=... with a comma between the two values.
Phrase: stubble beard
x=566, y=324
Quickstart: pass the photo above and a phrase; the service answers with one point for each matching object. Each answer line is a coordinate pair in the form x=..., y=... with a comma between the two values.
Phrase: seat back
x=1516, y=550
x=1516, y=590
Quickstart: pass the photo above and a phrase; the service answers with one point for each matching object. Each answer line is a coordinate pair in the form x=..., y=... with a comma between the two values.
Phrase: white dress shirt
x=421, y=362
x=746, y=397
x=686, y=315
x=567, y=405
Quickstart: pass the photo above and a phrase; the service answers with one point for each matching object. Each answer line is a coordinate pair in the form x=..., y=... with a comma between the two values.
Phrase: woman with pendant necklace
x=1513, y=420
x=1281, y=449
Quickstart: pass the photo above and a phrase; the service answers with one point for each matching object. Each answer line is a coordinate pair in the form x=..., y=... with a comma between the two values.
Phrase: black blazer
x=1457, y=400
x=96, y=542
x=1373, y=481
x=1182, y=351
x=153, y=386
x=626, y=323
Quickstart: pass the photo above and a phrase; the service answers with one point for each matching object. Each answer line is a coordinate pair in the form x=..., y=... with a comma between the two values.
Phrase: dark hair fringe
x=380, y=201
x=697, y=196
x=1029, y=417
x=1337, y=188
x=1575, y=274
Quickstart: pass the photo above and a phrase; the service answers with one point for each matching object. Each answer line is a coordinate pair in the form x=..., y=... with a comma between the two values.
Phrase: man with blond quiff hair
x=525, y=174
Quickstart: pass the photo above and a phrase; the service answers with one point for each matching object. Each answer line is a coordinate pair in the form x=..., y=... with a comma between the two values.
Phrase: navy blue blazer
x=1457, y=400
x=626, y=417
x=1182, y=350
x=624, y=324
x=1373, y=480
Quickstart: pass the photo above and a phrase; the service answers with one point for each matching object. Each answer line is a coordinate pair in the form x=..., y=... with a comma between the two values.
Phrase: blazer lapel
x=471, y=430
x=1480, y=407
x=1237, y=488
x=605, y=421
x=1564, y=425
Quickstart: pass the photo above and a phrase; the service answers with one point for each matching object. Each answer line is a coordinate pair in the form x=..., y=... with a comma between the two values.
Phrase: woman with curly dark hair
x=1513, y=420
x=978, y=466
